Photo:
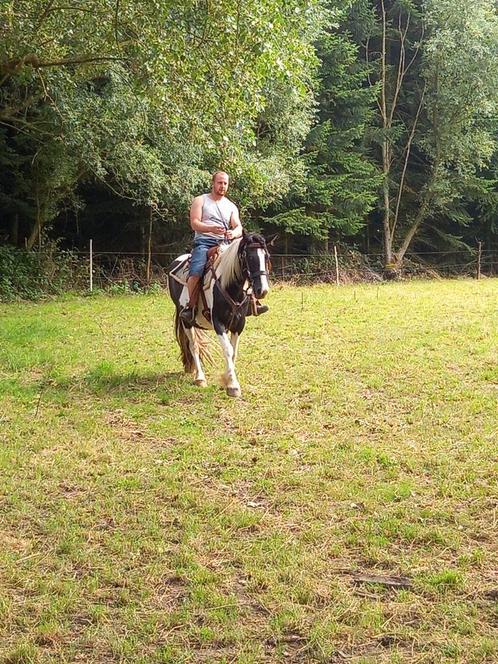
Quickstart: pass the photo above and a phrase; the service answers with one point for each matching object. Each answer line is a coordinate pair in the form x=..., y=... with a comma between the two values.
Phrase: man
x=214, y=219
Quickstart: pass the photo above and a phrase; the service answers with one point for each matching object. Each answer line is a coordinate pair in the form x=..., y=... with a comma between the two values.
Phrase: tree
x=339, y=182
x=437, y=74
x=148, y=96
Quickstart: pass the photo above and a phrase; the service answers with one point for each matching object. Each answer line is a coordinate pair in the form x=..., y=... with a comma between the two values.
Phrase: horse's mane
x=229, y=266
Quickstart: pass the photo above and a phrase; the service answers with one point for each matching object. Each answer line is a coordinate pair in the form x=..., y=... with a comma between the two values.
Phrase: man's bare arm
x=236, y=226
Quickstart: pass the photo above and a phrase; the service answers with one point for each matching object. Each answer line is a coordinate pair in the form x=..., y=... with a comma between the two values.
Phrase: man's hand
x=230, y=235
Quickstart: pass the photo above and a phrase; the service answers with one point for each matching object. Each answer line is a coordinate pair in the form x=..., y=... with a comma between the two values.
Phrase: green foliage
x=436, y=74
x=340, y=183
x=31, y=275
x=146, y=99
x=461, y=71
x=150, y=98
x=296, y=221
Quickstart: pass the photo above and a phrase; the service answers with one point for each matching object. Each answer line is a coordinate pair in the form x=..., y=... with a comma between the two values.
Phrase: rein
x=234, y=305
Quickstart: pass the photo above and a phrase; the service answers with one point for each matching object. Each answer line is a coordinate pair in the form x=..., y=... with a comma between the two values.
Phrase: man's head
x=219, y=183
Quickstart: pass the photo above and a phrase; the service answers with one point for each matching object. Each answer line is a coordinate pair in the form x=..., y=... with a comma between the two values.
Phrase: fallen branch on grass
x=388, y=581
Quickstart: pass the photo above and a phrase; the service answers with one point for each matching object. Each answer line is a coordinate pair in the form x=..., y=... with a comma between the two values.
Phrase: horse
x=232, y=281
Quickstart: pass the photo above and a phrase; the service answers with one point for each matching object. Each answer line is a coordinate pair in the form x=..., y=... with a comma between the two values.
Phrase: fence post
x=336, y=265
x=479, y=257
x=149, y=248
x=91, y=266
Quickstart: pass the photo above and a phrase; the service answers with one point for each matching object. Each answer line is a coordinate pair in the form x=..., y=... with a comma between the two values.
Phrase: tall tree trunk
x=14, y=230
x=149, y=245
x=392, y=79
x=386, y=148
x=421, y=215
x=388, y=241
x=35, y=234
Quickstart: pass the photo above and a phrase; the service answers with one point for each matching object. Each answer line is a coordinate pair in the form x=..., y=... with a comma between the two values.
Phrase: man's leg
x=187, y=314
x=197, y=263
x=193, y=290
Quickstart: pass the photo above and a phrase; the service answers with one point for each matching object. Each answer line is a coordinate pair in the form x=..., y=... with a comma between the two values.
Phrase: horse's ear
x=270, y=242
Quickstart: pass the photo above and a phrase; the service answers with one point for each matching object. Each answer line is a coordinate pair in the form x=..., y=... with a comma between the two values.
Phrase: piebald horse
x=237, y=276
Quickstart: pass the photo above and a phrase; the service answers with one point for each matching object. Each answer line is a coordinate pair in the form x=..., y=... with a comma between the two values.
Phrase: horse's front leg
x=199, y=376
x=234, y=340
x=229, y=351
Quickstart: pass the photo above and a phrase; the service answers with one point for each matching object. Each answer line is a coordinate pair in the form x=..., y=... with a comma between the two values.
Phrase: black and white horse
x=237, y=276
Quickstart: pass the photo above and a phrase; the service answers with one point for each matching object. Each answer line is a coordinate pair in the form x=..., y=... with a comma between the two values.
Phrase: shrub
x=31, y=275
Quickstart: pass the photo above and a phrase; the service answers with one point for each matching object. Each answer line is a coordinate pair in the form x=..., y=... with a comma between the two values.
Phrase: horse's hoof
x=201, y=382
x=234, y=392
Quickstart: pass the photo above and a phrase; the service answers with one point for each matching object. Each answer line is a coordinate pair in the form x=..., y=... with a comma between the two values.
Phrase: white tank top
x=216, y=213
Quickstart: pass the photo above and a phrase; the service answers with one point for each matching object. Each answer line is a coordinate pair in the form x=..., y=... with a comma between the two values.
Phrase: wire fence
x=136, y=270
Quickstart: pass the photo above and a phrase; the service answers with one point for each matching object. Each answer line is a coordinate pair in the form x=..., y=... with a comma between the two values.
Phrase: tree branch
x=80, y=61
x=421, y=215
x=407, y=157
x=44, y=15
x=116, y=16
x=11, y=67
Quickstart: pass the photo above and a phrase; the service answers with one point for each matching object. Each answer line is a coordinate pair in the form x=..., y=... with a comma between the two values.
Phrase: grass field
x=143, y=519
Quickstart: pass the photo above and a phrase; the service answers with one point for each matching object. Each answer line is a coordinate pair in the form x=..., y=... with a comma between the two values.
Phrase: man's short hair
x=219, y=173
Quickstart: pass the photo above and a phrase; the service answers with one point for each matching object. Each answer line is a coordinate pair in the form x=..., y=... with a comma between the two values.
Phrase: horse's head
x=255, y=262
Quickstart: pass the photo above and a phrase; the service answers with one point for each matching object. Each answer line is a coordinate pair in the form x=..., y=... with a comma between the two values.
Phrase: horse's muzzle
x=261, y=292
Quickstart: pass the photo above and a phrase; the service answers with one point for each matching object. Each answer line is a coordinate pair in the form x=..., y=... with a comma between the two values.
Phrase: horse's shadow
x=132, y=381
x=159, y=387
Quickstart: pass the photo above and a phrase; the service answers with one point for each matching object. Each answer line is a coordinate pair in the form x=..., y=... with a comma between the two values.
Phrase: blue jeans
x=199, y=254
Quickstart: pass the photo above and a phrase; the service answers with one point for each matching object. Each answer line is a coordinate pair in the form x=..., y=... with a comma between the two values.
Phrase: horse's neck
x=229, y=270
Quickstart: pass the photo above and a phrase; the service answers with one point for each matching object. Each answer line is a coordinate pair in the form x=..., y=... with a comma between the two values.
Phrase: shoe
x=187, y=315
x=260, y=309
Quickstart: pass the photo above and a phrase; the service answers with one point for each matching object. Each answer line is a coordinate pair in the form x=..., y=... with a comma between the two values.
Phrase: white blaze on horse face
x=265, y=287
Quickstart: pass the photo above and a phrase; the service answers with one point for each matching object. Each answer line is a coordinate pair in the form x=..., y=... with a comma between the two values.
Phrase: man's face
x=220, y=184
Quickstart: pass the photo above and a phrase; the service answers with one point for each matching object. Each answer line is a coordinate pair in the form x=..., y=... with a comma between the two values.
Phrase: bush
x=31, y=275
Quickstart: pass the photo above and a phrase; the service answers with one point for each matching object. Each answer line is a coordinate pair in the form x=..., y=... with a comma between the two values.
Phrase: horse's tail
x=201, y=339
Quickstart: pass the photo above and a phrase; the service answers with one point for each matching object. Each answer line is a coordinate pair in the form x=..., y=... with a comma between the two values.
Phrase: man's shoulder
x=198, y=199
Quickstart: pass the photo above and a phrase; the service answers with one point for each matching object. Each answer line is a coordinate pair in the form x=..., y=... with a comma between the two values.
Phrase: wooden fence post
x=149, y=248
x=336, y=266
x=91, y=266
x=479, y=258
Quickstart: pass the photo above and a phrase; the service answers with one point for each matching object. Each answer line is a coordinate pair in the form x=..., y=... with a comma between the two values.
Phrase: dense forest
x=369, y=122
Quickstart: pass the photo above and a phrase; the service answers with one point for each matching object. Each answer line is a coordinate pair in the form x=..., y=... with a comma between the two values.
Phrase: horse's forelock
x=252, y=238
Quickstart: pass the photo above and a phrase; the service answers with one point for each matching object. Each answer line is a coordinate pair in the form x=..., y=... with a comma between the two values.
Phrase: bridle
x=249, y=276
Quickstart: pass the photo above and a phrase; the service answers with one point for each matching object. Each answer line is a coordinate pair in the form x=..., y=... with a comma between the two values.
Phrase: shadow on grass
x=166, y=387
x=99, y=381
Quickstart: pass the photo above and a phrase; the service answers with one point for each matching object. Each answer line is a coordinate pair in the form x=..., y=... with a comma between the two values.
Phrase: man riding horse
x=215, y=220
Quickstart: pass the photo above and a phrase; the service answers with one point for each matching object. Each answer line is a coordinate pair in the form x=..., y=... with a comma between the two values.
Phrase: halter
x=235, y=306
x=259, y=273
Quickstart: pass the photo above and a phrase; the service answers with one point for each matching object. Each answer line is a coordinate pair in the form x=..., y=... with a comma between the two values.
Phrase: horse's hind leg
x=199, y=376
x=229, y=377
